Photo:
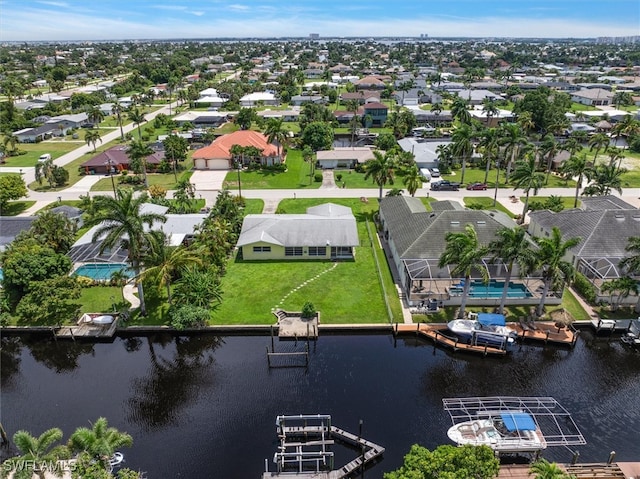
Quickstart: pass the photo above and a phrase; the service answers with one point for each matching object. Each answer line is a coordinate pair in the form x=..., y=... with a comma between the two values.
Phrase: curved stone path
x=331, y=268
x=129, y=294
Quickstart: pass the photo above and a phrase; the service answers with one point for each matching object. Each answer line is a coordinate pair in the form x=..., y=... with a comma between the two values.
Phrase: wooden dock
x=86, y=329
x=307, y=439
x=546, y=332
x=436, y=332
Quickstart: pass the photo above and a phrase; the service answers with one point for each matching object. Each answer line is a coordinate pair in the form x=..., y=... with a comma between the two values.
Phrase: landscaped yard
x=34, y=150
x=296, y=176
x=567, y=201
x=14, y=208
x=476, y=175
x=485, y=203
x=163, y=179
x=101, y=299
x=349, y=292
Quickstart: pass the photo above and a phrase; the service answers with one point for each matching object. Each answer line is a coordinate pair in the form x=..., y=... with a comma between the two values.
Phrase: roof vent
x=481, y=222
x=636, y=218
x=455, y=223
x=432, y=215
x=620, y=217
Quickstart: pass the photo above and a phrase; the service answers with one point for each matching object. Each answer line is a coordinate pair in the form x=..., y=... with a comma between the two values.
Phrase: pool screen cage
x=555, y=422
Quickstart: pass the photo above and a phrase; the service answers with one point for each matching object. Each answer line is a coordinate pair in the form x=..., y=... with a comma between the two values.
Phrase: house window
x=262, y=249
x=293, y=251
x=317, y=251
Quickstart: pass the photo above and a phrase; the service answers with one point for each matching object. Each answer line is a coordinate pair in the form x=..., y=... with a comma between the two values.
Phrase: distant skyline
x=39, y=20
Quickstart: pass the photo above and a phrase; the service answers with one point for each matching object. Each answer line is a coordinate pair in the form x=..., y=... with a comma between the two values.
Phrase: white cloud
x=238, y=8
x=54, y=4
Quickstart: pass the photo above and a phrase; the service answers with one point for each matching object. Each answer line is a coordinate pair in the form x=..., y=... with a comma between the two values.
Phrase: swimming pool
x=102, y=271
x=493, y=289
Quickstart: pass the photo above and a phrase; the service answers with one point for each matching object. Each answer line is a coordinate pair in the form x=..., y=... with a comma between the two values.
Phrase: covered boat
x=484, y=328
x=502, y=431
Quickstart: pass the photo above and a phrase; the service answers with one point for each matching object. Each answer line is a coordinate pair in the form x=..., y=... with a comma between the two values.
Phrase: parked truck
x=445, y=185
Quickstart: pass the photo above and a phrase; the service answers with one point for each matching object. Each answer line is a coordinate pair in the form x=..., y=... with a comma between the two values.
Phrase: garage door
x=199, y=163
x=217, y=164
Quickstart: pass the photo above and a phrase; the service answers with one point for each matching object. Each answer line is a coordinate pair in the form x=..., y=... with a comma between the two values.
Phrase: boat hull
x=482, y=432
x=469, y=330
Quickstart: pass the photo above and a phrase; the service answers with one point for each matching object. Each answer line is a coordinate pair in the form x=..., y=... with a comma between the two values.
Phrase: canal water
x=205, y=406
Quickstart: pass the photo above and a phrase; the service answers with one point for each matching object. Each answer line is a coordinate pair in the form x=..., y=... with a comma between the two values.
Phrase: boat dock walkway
x=435, y=332
x=545, y=331
x=87, y=330
x=317, y=432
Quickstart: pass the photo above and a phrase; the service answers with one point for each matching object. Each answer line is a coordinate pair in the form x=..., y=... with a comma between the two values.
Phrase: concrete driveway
x=207, y=180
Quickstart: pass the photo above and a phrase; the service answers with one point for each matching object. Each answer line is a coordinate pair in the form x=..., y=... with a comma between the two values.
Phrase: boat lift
x=554, y=421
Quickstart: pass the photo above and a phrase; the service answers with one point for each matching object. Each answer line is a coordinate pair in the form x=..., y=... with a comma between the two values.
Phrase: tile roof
x=118, y=156
x=419, y=234
x=221, y=147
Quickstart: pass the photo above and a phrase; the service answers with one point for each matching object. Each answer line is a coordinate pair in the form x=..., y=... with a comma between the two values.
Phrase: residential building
x=217, y=156
x=343, y=157
x=115, y=160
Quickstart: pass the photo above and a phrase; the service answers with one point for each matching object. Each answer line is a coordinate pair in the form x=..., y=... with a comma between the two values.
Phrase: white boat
x=103, y=319
x=116, y=459
x=504, y=431
x=484, y=328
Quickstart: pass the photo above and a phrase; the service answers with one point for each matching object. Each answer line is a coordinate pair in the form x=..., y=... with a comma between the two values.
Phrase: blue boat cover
x=518, y=421
x=490, y=319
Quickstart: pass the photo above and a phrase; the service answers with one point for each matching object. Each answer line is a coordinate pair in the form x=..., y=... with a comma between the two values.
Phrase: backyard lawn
x=346, y=292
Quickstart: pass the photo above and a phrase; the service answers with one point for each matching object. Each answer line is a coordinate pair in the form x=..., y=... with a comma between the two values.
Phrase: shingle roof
x=11, y=226
x=418, y=234
x=221, y=147
x=604, y=233
x=322, y=225
x=609, y=202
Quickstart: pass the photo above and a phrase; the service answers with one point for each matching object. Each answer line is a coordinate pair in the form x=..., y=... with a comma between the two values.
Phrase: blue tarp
x=490, y=319
x=518, y=421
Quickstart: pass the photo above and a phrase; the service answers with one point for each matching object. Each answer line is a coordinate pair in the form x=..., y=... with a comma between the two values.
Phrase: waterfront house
x=327, y=231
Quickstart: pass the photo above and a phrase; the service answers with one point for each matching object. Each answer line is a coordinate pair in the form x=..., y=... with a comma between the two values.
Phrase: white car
x=45, y=157
x=435, y=172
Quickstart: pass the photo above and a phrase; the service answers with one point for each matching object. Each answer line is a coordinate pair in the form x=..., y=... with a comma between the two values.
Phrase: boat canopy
x=518, y=421
x=491, y=319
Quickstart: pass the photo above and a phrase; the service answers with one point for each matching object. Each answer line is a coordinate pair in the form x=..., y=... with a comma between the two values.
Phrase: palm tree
x=460, y=111
x=44, y=170
x=464, y=250
x=38, y=453
x=100, y=442
x=117, y=110
x=543, y=469
x=137, y=117
x=490, y=109
x=381, y=169
x=436, y=109
x=551, y=256
x=631, y=263
x=525, y=121
x=604, y=179
x=122, y=222
x=308, y=156
x=549, y=148
x=9, y=142
x=576, y=166
x=412, y=179
x=489, y=143
x=597, y=142
x=462, y=145
x=138, y=152
x=527, y=178
x=512, y=247
x=96, y=115
x=622, y=286
x=163, y=262
x=92, y=137
x=512, y=139
x=352, y=106
x=275, y=132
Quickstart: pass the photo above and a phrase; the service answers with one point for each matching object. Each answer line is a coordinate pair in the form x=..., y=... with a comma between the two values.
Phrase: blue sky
x=25, y=20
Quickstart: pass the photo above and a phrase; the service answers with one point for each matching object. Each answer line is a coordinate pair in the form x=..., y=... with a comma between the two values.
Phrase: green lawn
x=571, y=304
x=580, y=107
x=14, y=208
x=567, y=201
x=350, y=293
x=631, y=179
x=163, y=179
x=253, y=207
x=476, y=175
x=296, y=176
x=486, y=203
x=101, y=299
x=34, y=150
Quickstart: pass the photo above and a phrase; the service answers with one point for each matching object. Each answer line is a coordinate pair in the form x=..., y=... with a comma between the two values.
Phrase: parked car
x=445, y=185
x=435, y=172
x=477, y=186
x=44, y=158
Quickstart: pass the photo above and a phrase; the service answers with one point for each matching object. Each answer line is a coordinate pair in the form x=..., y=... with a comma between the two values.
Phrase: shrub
x=339, y=177
x=584, y=287
x=85, y=281
x=317, y=177
x=308, y=310
x=188, y=316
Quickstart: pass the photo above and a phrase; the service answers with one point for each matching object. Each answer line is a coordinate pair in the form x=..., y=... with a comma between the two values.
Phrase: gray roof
x=423, y=151
x=11, y=226
x=446, y=205
x=419, y=234
x=604, y=233
x=609, y=202
x=68, y=211
x=323, y=225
